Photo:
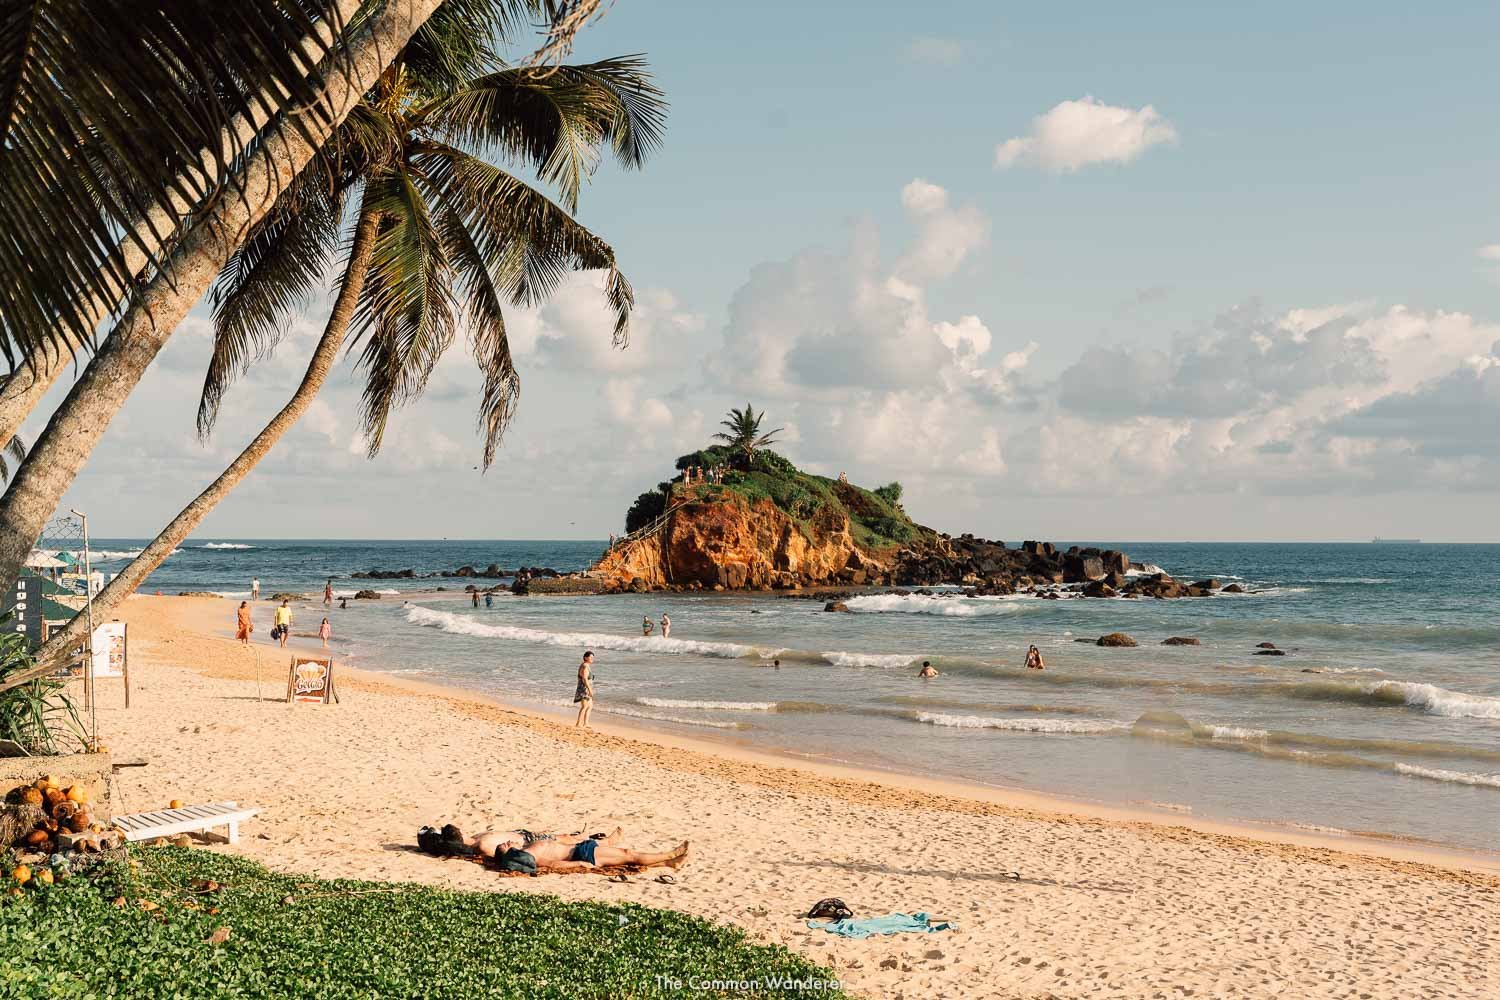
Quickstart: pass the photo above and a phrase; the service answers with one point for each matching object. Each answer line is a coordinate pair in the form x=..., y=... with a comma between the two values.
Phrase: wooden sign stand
x=309, y=679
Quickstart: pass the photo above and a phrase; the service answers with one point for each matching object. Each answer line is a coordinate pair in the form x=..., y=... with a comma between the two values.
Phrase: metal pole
x=90, y=695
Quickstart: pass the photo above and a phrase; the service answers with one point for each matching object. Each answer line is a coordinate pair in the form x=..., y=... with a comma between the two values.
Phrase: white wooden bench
x=188, y=819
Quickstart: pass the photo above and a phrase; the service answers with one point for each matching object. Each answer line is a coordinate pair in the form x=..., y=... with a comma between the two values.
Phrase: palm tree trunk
x=82, y=418
x=30, y=380
x=183, y=525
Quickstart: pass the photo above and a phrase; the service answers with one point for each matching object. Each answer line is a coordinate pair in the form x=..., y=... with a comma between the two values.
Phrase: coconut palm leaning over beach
x=441, y=238
x=743, y=436
x=164, y=280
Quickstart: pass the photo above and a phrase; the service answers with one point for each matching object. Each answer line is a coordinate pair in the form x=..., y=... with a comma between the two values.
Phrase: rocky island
x=736, y=521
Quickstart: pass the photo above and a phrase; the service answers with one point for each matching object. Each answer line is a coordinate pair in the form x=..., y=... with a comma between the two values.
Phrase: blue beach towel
x=891, y=923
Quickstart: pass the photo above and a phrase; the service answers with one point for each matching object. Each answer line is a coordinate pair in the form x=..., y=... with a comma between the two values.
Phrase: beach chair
x=188, y=819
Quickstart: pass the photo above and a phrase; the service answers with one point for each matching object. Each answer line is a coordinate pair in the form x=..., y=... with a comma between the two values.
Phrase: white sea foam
x=1370, y=580
x=841, y=659
x=921, y=604
x=1078, y=726
x=447, y=621
x=225, y=545
x=1435, y=700
x=110, y=555
x=238, y=595
x=717, y=706
x=1147, y=569
x=1236, y=733
x=1456, y=777
x=656, y=717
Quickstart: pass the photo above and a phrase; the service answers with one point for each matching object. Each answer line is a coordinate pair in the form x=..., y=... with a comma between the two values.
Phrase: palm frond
x=528, y=243
x=557, y=121
x=405, y=318
x=14, y=451
x=157, y=85
x=268, y=278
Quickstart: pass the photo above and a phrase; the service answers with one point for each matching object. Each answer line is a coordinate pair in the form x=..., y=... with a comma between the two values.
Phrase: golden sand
x=1111, y=902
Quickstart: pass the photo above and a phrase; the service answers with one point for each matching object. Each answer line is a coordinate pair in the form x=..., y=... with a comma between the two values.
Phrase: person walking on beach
x=647, y=625
x=328, y=593
x=584, y=695
x=324, y=631
x=255, y=589
x=242, y=625
x=928, y=671
x=284, y=621
x=1034, y=659
x=666, y=626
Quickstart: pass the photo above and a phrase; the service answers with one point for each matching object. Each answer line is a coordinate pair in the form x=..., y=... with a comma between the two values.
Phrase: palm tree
x=743, y=434
x=435, y=225
x=157, y=306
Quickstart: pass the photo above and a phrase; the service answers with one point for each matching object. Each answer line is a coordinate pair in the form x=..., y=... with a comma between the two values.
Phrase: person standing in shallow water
x=1034, y=659
x=324, y=631
x=328, y=593
x=284, y=621
x=489, y=599
x=647, y=625
x=666, y=626
x=584, y=694
x=255, y=589
x=475, y=595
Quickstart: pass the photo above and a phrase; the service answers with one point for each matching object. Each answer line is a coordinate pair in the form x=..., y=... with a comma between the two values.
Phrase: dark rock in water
x=1181, y=640
x=1197, y=591
x=1115, y=561
x=1209, y=584
x=1116, y=639
x=1051, y=595
x=837, y=606
x=1265, y=645
x=1091, y=642
x=1233, y=588
x=464, y=571
x=367, y=595
x=286, y=595
x=1270, y=652
x=1081, y=569
x=1100, y=589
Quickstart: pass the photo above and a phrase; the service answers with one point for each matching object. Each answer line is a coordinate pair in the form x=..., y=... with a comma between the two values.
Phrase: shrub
x=294, y=936
x=772, y=464
x=890, y=493
x=705, y=458
x=647, y=508
x=38, y=714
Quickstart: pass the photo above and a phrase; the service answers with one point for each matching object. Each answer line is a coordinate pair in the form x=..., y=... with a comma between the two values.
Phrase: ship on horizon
x=1395, y=541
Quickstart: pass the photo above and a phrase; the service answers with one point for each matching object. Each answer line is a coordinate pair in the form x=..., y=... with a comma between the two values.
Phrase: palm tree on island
x=743, y=435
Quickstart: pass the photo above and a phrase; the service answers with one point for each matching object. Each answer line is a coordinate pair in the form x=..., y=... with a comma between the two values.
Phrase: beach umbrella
x=41, y=560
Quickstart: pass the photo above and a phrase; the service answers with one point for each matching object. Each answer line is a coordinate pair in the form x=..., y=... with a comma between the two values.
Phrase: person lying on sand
x=557, y=855
x=450, y=841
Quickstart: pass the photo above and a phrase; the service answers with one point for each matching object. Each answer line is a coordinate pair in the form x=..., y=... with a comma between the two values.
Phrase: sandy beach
x=1110, y=903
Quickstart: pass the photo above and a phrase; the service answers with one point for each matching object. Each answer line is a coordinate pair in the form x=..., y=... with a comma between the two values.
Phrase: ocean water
x=1384, y=716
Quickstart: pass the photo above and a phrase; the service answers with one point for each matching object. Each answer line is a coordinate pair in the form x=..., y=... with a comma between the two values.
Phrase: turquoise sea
x=1384, y=716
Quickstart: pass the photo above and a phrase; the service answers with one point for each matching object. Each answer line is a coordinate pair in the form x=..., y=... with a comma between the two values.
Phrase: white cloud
x=946, y=236
x=1489, y=252
x=1075, y=134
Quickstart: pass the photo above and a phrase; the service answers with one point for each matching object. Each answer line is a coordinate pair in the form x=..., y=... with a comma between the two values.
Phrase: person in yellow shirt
x=284, y=621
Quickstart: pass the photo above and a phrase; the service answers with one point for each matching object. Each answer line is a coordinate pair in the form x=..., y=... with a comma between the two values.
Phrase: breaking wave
x=711, y=706
x=447, y=621
x=225, y=545
x=677, y=719
x=1069, y=726
x=1428, y=698
x=1454, y=777
x=842, y=659
x=923, y=604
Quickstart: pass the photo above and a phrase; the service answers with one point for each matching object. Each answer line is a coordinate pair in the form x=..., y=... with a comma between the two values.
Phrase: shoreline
x=1105, y=902
x=1055, y=805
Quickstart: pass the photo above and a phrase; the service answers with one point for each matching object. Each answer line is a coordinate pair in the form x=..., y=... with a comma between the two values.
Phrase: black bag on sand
x=830, y=909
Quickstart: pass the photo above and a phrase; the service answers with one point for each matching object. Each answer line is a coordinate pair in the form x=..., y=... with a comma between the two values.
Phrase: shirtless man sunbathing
x=525, y=851
x=559, y=855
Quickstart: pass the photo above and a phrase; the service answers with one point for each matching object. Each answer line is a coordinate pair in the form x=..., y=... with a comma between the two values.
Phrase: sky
x=1097, y=271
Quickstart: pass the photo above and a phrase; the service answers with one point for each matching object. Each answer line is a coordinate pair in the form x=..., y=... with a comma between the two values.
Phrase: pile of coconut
x=49, y=826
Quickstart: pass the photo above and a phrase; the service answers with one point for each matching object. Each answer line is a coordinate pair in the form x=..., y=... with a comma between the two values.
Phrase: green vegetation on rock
x=275, y=935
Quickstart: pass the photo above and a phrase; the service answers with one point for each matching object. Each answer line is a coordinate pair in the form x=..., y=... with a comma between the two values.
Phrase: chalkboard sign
x=310, y=679
x=25, y=609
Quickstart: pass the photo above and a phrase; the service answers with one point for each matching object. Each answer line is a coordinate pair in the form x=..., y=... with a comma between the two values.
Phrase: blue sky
x=1271, y=317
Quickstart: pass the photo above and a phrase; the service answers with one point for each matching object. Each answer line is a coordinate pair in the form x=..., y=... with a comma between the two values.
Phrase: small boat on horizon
x=1395, y=541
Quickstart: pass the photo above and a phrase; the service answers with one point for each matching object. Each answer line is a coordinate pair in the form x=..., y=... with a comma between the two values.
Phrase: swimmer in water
x=1034, y=659
x=927, y=670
